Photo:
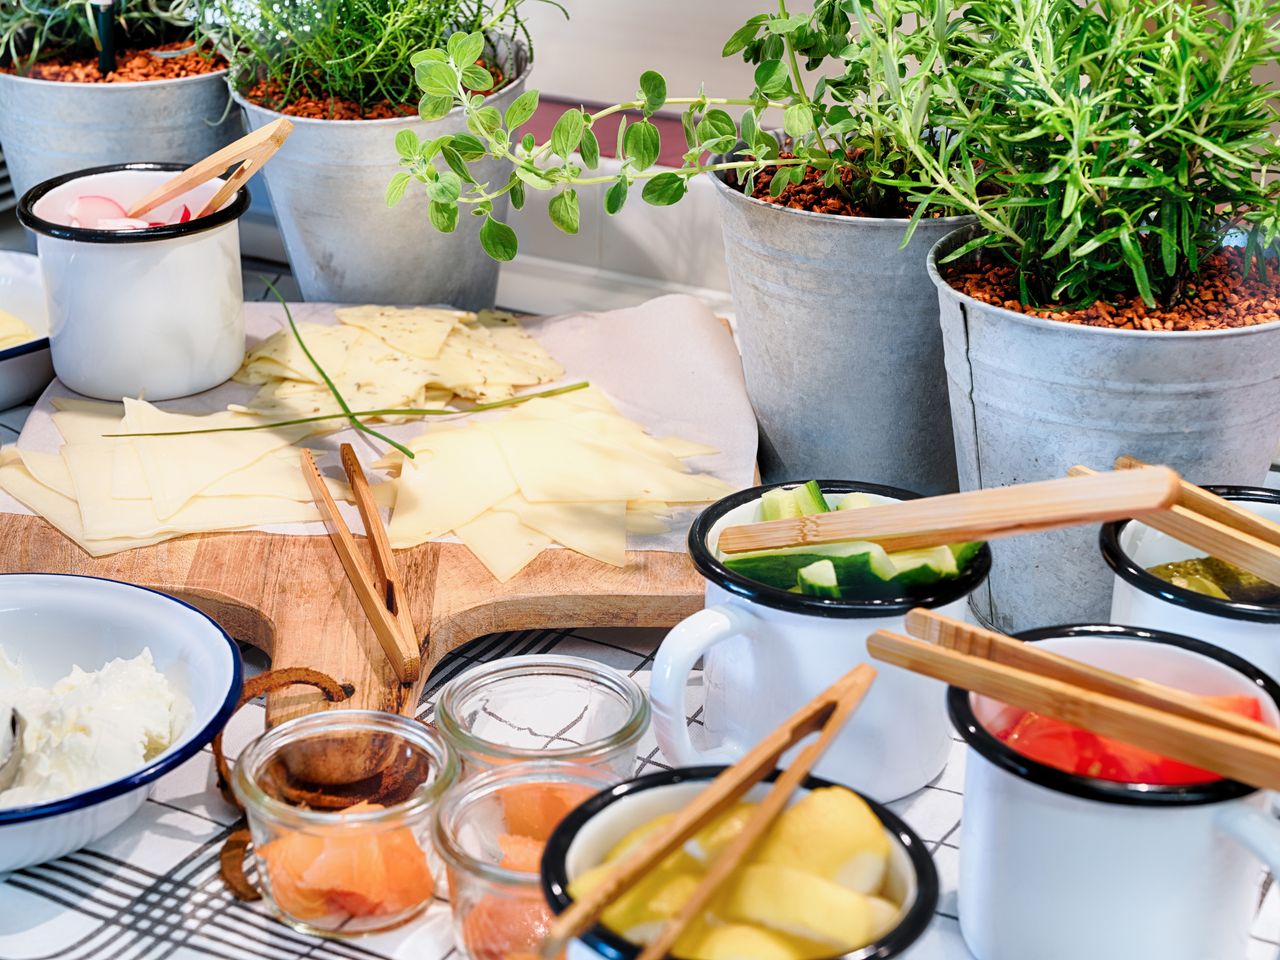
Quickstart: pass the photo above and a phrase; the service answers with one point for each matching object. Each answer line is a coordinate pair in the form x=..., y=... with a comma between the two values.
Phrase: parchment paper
x=668, y=364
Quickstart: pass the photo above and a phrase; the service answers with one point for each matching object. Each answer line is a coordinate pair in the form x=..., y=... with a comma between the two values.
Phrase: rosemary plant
x=32, y=30
x=811, y=67
x=355, y=50
x=1106, y=146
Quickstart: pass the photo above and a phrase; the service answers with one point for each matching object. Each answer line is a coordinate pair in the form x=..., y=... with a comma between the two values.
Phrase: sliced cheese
x=596, y=530
x=417, y=331
x=60, y=511
x=179, y=467
x=456, y=477
x=49, y=469
x=13, y=331
x=502, y=543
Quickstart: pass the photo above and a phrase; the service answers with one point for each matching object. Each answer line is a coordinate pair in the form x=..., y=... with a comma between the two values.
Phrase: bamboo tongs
x=251, y=152
x=1148, y=715
x=977, y=515
x=382, y=597
x=1214, y=524
x=825, y=715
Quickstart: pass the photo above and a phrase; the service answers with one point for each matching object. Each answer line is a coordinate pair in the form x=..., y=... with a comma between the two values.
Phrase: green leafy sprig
x=1106, y=146
x=823, y=127
x=356, y=50
x=33, y=30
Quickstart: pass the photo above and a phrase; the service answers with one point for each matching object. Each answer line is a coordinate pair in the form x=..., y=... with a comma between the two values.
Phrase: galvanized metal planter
x=840, y=344
x=1032, y=397
x=49, y=128
x=327, y=187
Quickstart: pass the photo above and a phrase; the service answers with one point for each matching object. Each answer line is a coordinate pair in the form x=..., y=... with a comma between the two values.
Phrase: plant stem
x=402, y=412
x=799, y=81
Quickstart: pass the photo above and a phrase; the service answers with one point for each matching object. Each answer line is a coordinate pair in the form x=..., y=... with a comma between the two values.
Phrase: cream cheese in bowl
x=89, y=728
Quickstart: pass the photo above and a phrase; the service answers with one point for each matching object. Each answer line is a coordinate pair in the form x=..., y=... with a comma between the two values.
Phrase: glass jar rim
x=442, y=775
x=457, y=690
x=482, y=786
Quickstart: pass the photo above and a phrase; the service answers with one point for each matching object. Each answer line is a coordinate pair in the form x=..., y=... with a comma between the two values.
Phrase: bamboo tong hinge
x=976, y=515
x=1221, y=528
x=1148, y=715
x=382, y=596
x=251, y=152
x=824, y=715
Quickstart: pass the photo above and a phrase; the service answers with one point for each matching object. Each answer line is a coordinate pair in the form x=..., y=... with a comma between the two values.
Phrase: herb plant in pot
x=1101, y=306
x=165, y=101
x=836, y=320
x=344, y=73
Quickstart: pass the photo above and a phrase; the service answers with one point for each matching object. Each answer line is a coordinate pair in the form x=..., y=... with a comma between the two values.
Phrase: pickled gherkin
x=1217, y=578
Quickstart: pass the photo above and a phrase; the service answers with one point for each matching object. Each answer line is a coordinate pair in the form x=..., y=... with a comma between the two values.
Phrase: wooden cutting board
x=289, y=596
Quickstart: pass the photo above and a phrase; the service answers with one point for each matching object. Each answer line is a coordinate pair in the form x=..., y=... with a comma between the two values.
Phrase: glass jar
x=490, y=832
x=339, y=805
x=543, y=707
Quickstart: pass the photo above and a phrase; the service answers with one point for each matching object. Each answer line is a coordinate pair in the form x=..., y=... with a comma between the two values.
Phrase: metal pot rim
x=412, y=118
x=1191, y=336
x=121, y=85
x=894, y=223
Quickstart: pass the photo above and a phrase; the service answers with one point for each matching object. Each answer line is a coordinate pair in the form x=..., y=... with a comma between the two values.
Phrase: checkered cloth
x=150, y=890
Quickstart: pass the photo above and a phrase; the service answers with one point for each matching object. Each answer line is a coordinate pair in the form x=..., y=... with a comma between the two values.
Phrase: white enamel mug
x=766, y=652
x=584, y=838
x=1055, y=866
x=154, y=313
x=1249, y=630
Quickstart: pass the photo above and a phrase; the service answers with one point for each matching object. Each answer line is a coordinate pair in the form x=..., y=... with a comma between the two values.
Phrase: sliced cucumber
x=852, y=501
x=818, y=579
x=809, y=499
x=918, y=568
x=964, y=552
x=778, y=504
x=859, y=566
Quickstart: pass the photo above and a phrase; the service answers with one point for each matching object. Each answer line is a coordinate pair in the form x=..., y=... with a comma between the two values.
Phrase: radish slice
x=92, y=208
x=180, y=215
x=121, y=223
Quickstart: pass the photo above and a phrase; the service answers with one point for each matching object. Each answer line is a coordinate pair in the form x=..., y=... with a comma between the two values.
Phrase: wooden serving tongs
x=1149, y=715
x=977, y=515
x=825, y=715
x=1218, y=526
x=382, y=597
x=251, y=152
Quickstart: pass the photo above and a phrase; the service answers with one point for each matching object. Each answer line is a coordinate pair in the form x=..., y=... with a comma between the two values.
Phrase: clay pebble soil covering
x=268, y=94
x=1222, y=297
x=812, y=195
x=131, y=66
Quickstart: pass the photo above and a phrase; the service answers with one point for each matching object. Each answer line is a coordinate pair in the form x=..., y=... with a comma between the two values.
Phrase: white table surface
x=150, y=890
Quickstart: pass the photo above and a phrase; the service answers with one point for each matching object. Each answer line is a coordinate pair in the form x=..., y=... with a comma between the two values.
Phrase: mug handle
x=1258, y=831
x=680, y=649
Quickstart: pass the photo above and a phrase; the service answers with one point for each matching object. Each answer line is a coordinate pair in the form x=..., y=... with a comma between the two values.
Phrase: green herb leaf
x=797, y=119
x=564, y=211
x=407, y=144
x=434, y=108
x=653, y=90
x=642, y=144
x=589, y=149
x=567, y=133
x=615, y=196
x=475, y=77
x=456, y=163
x=465, y=49
x=437, y=79
x=743, y=35
x=484, y=121
x=444, y=216
x=522, y=108
x=498, y=239
x=517, y=195
x=396, y=188
x=665, y=189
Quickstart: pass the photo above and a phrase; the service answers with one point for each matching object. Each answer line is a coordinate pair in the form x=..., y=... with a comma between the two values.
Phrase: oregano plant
x=812, y=70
